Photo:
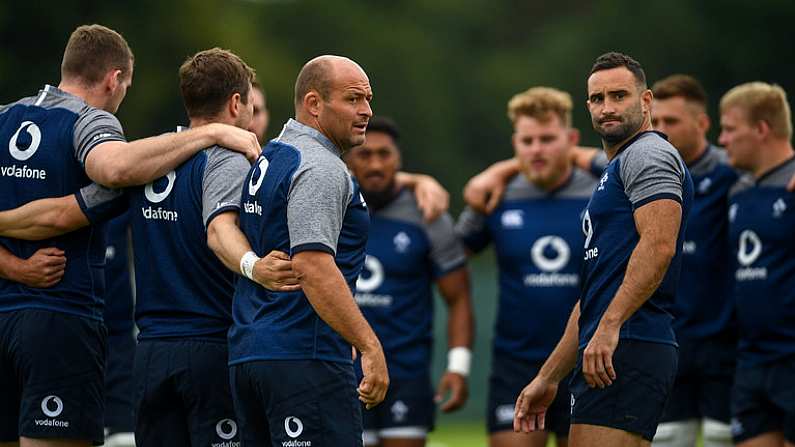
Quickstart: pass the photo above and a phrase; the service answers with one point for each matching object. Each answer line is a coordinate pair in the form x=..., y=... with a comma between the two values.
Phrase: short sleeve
x=100, y=204
x=447, y=252
x=222, y=182
x=652, y=172
x=472, y=230
x=316, y=204
x=93, y=127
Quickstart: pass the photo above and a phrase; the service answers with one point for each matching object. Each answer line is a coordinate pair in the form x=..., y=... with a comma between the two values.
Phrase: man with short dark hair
x=625, y=355
x=58, y=141
x=261, y=117
x=405, y=256
x=290, y=353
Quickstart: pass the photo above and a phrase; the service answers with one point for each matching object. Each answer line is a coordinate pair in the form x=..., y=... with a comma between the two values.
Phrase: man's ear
x=234, y=105
x=312, y=103
x=574, y=136
x=113, y=78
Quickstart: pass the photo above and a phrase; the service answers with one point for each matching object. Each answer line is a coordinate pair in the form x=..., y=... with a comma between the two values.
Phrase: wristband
x=459, y=360
x=247, y=264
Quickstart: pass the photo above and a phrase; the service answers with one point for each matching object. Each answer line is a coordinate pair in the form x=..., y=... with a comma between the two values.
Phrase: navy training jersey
x=119, y=298
x=645, y=169
x=405, y=255
x=761, y=222
x=44, y=141
x=298, y=197
x=538, y=242
x=182, y=289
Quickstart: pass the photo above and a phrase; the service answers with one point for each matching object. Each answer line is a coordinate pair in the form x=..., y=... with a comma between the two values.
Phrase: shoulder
x=519, y=188
x=403, y=208
x=744, y=183
x=650, y=150
x=581, y=185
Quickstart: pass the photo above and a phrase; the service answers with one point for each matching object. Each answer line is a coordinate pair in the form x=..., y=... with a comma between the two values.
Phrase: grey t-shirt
x=222, y=183
x=651, y=169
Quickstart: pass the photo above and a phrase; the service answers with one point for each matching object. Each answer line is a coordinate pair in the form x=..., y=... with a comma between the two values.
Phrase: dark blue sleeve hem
x=439, y=272
x=312, y=246
x=218, y=211
x=655, y=197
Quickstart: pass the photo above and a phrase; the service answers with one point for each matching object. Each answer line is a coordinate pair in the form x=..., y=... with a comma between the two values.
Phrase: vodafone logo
x=375, y=276
x=262, y=168
x=46, y=404
x=157, y=197
x=550, y=244
x=222, y=431
x=750, y=248
x=289, y=423
x=34, y=132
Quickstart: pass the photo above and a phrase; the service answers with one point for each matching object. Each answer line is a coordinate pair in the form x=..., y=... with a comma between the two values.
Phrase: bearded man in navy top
x=292, y=373
x=619, y=336
x=756, y=129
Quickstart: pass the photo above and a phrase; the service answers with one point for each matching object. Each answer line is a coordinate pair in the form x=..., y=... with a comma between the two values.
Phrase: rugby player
x=756, y=129
x=536, y=233
x=625, y=356
x=405, y=256
x=292, y=374
x=58, y=141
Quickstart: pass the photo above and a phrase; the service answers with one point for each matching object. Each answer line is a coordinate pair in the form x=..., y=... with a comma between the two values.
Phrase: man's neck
x=310, y=121
x=198, y=122
x=773, y=155
x=612, y=149
x=559, y=181
x=692, y=156
x=87, y=94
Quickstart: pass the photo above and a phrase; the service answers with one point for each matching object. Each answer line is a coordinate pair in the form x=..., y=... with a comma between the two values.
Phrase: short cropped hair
x=385, y=125
x=258, y=87
x=209, y=78
x=315, y=75
x=615, y=59
x=541, y=103
x=680, y=86
x=92, y=51
x=761, y=102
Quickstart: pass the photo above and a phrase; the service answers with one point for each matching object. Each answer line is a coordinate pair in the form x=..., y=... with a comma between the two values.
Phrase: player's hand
x=43, y=269
x=375, y=382
x=432, y=199
x=483, y=192
x=597, y=359
x=456, y=385
x=237, y=139
x=275, y=272
x=532, y=404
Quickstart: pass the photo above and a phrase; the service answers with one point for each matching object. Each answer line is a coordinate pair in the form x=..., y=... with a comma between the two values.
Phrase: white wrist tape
x=459, y=360
x=247, y=264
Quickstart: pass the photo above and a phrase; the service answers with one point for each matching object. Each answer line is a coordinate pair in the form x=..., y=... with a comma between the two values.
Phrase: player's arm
x=43, y=218
x=455, y=288
x=537, y=396
x=484, y=191
x=116, y=163
x=230, y=245
x=432, y=199
x=657, y=224
x=43, y=269
x=583, y=157
x=328, y=293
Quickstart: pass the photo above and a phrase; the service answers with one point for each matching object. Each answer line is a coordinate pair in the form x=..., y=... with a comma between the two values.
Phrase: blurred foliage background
x=443, y=69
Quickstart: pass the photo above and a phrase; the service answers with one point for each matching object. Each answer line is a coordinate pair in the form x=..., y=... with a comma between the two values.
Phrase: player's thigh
x=512, y=439
x=9, y=382
x=313, y=402
x=585, y=435
x=754, y=417
x=62, y=359
x=249, y=402
x=207, y=395
x=9, y=444
x=717, y=365
x=407, y=412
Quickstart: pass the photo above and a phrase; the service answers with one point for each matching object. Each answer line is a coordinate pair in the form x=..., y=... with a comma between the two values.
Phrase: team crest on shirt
x=779, y=207
x=399, y=411
x=512, y=219
x=402, y=242
x=704, y=185
x=602, y=182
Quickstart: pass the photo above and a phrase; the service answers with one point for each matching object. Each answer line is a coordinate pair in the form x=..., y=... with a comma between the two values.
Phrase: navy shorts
x=51, y=376
x=703, y=384
x=763, y=400
x=119, y=413
x=508, y=378
x=182, y=394
x=297, y=403
x=408, y=403
x=635, y=401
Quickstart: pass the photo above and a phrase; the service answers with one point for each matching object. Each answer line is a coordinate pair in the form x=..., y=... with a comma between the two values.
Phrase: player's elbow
x=309, y=265
x=664, y=249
